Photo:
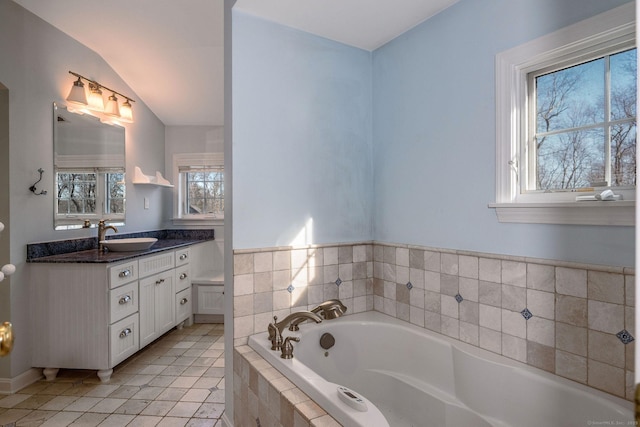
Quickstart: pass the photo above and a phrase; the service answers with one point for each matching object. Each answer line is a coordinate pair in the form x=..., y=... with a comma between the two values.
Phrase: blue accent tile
x=625, y=336
x=526, y=314
x=409, y=285
x=459, y=298
x=290, y=288
x=338, y=281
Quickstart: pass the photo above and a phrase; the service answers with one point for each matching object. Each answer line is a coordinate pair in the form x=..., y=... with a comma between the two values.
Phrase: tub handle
x=287, y=347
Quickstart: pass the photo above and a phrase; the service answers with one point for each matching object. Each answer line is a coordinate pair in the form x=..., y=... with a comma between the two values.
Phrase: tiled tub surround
x=574, y=320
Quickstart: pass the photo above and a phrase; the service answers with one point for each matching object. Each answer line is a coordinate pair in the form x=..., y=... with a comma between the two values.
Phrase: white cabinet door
x=166, y=302
x=157, y=306
x=146, y=299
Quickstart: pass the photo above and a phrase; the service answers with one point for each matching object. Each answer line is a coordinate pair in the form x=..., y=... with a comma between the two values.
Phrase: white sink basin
x=129, y=245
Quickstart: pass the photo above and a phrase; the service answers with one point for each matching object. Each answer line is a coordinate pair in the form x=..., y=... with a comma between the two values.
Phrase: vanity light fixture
x=111, y=109
x=95, y=101
x=77, y=94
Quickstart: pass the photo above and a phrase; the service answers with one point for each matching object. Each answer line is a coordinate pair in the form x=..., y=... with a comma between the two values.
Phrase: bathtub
x=409, y=376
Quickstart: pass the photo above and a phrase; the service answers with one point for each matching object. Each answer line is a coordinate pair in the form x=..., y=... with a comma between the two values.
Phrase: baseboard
x=225, y=420
x=13, y=385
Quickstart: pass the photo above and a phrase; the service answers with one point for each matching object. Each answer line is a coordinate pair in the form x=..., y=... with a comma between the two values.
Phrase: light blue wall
x=311, y=139
x=434, y=135
x=301, y=137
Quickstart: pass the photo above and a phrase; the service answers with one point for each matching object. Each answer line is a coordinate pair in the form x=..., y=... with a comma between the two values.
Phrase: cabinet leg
x=105, y=375
x=50, y=373
x=180, y=325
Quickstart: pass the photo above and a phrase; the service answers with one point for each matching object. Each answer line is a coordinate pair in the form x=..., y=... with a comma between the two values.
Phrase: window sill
x=621, y=213
x=198, y=221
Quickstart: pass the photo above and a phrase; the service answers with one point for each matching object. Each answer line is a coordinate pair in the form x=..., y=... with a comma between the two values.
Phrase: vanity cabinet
x=94, y=316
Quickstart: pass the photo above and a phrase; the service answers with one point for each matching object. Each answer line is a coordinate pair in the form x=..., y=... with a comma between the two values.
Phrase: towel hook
x=33, y=187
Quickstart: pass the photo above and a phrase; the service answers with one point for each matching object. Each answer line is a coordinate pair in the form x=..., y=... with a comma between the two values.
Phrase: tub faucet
x=102, y=231
x=275, y=328
x=330, y=309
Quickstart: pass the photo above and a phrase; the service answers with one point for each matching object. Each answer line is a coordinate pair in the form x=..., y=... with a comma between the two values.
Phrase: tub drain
x=327, y=341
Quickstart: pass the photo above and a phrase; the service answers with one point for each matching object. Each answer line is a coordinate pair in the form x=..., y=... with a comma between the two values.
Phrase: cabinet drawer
x=123, y=301
x=123, y=273
x=123, y=339
x=182, y=256
x=183, y=278
x=184, y=307
x=156, y=264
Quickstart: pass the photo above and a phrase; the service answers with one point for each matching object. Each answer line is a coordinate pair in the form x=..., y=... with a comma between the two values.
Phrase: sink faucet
x=330, y=309
x=275, y=328
x=102, y=231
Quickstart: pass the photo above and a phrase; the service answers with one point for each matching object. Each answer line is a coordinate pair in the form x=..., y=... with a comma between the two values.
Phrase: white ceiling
x=170, y=52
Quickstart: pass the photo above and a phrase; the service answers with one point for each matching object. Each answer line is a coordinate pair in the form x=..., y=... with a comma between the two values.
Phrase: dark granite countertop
x=86, y=250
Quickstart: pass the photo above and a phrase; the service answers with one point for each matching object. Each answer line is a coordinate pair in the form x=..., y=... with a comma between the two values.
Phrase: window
x=582, y=132
x=199, y=195
x=89, y=193
x=566, y=123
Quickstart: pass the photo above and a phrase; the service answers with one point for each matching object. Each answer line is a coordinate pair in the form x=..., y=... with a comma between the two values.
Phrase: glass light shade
x=77, y=94
x=126, y=113
x=112, y=109
x=96, y=102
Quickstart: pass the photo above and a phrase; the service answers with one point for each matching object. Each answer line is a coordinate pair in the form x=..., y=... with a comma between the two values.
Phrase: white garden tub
x=417, y=378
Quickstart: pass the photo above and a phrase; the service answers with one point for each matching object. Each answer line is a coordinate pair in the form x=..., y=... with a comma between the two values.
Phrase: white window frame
x=610, y=30
x=193, y=159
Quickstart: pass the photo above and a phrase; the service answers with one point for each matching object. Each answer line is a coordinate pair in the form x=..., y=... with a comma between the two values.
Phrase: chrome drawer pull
x=183, y=257
x=125, y=333
x=125, y=299
x=183, y=301
x=183, y=276
x=124, y=273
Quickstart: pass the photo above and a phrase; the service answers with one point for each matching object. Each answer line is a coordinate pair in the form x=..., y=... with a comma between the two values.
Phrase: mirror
x=89, y=170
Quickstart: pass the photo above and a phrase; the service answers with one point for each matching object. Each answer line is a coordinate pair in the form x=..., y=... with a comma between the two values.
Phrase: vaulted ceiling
x=170, y=52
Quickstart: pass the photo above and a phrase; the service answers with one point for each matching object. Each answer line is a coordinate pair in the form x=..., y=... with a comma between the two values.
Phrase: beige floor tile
x=102, y=390
x=184, y=382
x=210, y=410
x=158, y=408
x=62, y=419
x=82, y=404
x=184, y=409
x=12, y=400
x=176, y=381
x=116, y=420
x=132, y=407
x=58, y=403
x=108, y=405
x=195, y=395
x=172, y=394
x=144, y=421
x=173, y=422
x=89, y=420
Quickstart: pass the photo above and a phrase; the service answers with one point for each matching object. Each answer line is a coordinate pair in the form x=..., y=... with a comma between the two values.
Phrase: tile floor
x=176, y=381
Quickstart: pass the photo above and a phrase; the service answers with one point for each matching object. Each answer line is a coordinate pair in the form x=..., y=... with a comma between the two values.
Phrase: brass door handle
x=6, y=338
